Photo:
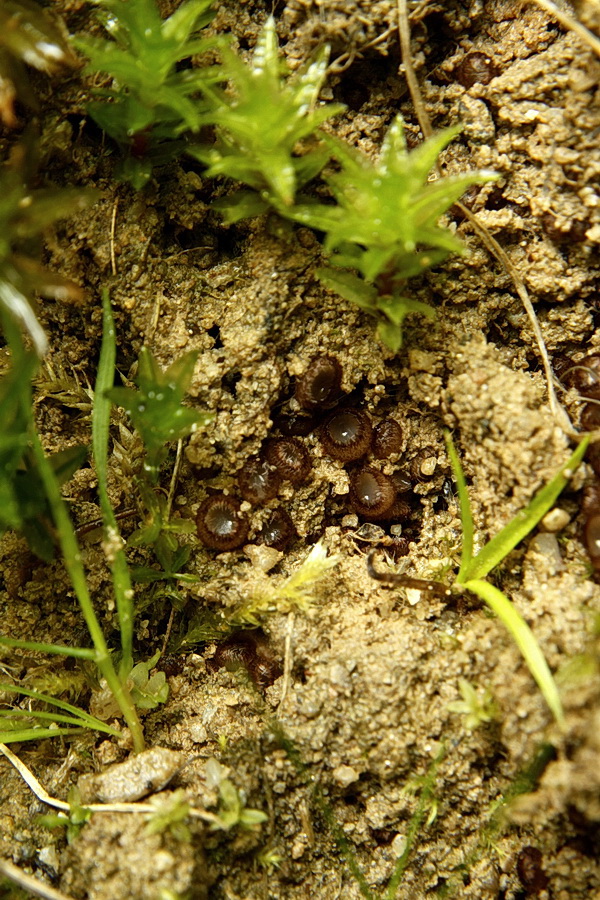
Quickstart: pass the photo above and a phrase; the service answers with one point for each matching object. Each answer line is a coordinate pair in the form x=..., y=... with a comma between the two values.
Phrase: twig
x=174, y=476
x=287, y=660
x=29, y=883
x=433, y=588
x=113, y=225
x=165, y=642
x=570, y=23
x=558, y=411
x=409, y=70
x=42, y=794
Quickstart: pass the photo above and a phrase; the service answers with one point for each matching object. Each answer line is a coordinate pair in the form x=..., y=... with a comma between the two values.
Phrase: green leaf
x=156, y=409
x=525, y=641
x=148, y=691
x=350, y=288
x=150, y=103
x=83, y=718
x=261, y=120
x=466, y=516
x=390, y=335
x=524, y=521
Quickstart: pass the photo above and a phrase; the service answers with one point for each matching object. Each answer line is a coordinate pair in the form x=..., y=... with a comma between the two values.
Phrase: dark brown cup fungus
x=387, y=439
x=290, y=458
x=591, y=535
x=346, y=435
x=258, y=480
x=476, y=68
x=320, y=386
x=424, y=464
x=584, y=376
x=220, y=525
x=372, y=493
x=590, y=417
x=248, y=650
x=279, y=531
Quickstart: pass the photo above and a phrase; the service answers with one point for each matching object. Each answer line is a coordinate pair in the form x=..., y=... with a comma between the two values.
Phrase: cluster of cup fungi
x=346, y=433
x=584, y=376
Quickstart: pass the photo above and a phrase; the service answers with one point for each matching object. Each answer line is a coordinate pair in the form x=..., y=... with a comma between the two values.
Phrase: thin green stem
x=525, y=640
x=40, y=647
x=45, y=716
x=100, y=436
x=466, y=516
x=72, y=558
x=34, y=734
x=523, y=522
x=84, y=718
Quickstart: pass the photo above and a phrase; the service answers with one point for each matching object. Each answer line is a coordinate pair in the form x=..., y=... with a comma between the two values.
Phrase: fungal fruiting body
x=248, y=650
x=220, y=525
x=346, y=435
x=591, y=535
x=258, y=480
x=279, y=531
x=387, y=438
x=319, y=387
x=372, y=493
x=290, y=458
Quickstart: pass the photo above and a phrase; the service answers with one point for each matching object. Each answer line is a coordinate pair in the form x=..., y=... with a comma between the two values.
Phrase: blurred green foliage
x=151, y=100
x=29, y=35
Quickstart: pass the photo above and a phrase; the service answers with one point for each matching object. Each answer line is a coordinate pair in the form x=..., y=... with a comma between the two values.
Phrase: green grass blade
x=35, y=734
x=85, y=719
x=100, y=437
x=524, y=521
x=38, y=714
x=465, y=507
x=525, y=641
x=59, y=649
x=72, y=557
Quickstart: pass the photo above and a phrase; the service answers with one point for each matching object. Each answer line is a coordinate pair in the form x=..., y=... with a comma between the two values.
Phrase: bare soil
x=364, y=712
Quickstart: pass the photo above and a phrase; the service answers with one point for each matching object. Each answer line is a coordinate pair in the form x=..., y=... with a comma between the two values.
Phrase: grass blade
x=59, y=649
x=465, y=507
x=525, y=520
x=84, y=718
x=525, y=641
x=17, y=713
x=34, y=734
x=100, y=437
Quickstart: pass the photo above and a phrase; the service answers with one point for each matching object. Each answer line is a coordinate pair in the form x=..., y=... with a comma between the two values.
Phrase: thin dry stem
x=29, y=883
x=42, y=794
x=558, y=411
x=570, y=23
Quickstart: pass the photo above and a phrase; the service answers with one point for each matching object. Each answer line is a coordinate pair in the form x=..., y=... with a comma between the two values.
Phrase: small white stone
x=399, y=845
x=555, y=520
x=198, y=733
x=350, y=521
x=263, y=558
x=345, y=775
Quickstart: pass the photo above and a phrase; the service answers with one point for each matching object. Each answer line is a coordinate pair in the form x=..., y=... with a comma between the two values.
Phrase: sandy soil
x=364, y=713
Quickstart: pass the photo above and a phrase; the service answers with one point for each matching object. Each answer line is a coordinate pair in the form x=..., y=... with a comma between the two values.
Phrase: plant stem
x=523, y=522
x=466, y=517
x=525, y=640
x=100, y=424
x=72, y=557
